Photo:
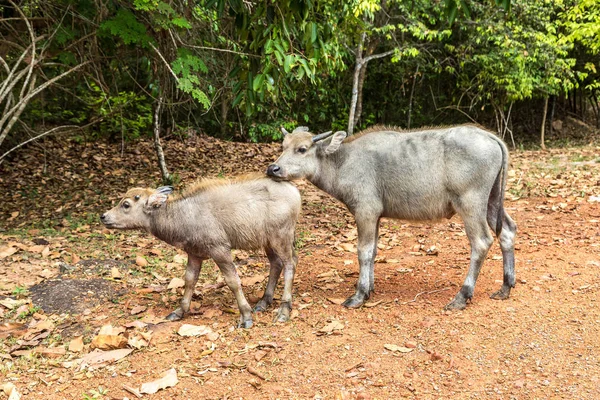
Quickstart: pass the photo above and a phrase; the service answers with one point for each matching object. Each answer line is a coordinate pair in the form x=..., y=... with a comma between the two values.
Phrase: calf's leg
x=223, y=259
x=289, y=270
x=191, y=277
x=276, y=267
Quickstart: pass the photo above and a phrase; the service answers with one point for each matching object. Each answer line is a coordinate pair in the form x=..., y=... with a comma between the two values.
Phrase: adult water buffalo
x=425, y=174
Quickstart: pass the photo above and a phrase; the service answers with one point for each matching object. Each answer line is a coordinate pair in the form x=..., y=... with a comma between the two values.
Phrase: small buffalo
x=425, y=174
x=211, y=218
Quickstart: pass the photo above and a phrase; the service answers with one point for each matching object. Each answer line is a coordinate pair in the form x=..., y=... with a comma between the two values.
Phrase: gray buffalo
x=425, y=174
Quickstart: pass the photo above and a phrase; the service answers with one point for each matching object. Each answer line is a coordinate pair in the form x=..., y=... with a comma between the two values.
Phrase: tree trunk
x=166, y=177
x=224, y=112
x=412, y=92
x=358, y=66
x=359, y=103
x=543, y=128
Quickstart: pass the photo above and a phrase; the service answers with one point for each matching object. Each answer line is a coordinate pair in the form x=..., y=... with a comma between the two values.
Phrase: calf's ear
x=158, y=198
x=336, y=141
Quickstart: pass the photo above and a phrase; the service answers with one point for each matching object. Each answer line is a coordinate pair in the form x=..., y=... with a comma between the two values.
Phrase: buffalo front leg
x=368, y=227
x=191, y=277
x=274, y=273
x=507, y=244
x=223, y=259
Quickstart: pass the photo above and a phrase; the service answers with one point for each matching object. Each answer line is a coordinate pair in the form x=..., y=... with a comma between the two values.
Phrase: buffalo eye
x=301, y=150
x=126, y=205
x=137, y=197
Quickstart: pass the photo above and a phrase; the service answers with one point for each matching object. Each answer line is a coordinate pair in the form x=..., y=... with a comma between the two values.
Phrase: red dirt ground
x=542, y=343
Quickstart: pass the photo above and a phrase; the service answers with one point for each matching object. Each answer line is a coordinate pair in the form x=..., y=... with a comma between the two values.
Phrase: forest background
x=239, y=70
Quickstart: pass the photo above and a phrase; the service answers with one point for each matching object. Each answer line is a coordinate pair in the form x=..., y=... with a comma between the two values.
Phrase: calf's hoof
x=245, y=324
x=175, y=315
x=501, y=294
x=283, y=315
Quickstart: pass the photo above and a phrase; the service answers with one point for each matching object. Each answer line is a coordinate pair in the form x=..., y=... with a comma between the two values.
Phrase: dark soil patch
x=73, y=296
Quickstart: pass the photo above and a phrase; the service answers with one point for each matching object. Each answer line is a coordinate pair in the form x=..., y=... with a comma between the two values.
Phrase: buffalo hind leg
x=276, y=267
x=191, y=277
x=223, y=259
x=368, y=228
x=289, y=270
x=507, y=244
x=481, y=240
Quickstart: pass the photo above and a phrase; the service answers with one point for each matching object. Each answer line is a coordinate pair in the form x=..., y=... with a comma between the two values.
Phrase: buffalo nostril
x=102, y=217
x=273, y=169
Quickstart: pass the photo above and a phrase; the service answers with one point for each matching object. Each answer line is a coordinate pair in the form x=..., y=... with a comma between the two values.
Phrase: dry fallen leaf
x=11, y=303
x=180, y=259
x=109, y=338
x=76, y=344
x=401, y=349
x=13, y=329
x=167, y=379
x=334, y=325
x=138, y=309
x=11, y=391
x=193, y=330
x=371, y=304
x=115, y=273
x=137, y=342
x=141, y=261
x=252, y=280
x=176, y=283
x=6, y=251
x=99, y=357
x=336, y=300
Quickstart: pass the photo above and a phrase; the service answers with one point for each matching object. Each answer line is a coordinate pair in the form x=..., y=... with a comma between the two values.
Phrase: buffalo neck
x=327, y=177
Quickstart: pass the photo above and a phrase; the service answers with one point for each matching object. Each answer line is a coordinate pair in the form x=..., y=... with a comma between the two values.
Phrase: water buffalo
x=424, y=174
x=211, y=218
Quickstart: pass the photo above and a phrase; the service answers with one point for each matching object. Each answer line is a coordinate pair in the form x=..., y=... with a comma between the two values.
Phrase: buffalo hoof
x=174, y=316
x=459, y=303
x=354, y=301
x=501, y=294
x=283, y=315
x=261, y=306
x=245, y=324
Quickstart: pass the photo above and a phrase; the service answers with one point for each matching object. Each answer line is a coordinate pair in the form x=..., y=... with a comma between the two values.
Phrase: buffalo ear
x=336, y=141
x=158, y=198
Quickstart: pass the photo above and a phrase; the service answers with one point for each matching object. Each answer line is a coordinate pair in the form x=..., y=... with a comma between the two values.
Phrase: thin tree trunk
x=552, y=114
x=166, y=177
x=543, y=128
x=359, y=103
x=412, y=92
x=224, y=112
x=355, y=79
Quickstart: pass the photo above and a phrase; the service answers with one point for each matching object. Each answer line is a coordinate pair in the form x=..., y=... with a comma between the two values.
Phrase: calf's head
x=135, y=209
x=302, y=152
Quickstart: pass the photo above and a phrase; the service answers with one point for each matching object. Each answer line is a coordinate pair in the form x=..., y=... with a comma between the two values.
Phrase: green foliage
x=125, y=26
x=125, y=113
x=187, y=66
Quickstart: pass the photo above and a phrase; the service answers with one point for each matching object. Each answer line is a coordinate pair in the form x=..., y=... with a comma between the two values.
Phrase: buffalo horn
x=321, y=136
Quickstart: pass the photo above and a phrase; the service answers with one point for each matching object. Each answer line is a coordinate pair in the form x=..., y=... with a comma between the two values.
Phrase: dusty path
x=542, y=343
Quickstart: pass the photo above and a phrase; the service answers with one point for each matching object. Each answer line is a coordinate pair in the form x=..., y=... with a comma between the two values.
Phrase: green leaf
x=258, y=81
x=289, y=60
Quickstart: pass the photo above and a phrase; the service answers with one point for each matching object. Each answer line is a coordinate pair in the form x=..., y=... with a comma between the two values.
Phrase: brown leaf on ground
x=109, y=338
x=12, y=329
x=141, y=261
x=98, y=357
x=396, y=348
x=337, y=301
x=10, y=390
x=76, y=344
x=167, y=379
x=193, y=330
x=115, y=273
x=176, y=283
x=6, y=251
x=138, y=309
x=252, y=280
x=334, y=325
